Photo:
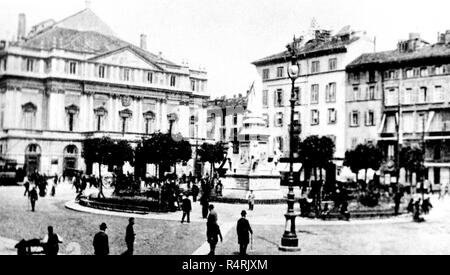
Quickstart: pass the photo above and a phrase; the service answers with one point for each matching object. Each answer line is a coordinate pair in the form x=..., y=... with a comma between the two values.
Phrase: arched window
x=29, y=115
x=33, y=149
x=71, y=150
x=100, y=114
x=71, y=112
x=149, y=122
x=125, y=115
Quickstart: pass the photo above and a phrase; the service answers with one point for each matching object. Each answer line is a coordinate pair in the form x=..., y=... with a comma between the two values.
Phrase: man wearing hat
x=243, y=228
x=130, y=237
x=186, y=206
x=101, y=243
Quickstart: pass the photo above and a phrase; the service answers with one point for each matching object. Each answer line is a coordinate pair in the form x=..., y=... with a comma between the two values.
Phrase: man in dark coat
x=186, y=206
x=130, y=237
x=212, y=234
x=33, y=197
x=243, y=229
x=101, y=243
x=195, y=191
x=397, y=200
x=212, y=217
x=52, y=243
x=204, y=201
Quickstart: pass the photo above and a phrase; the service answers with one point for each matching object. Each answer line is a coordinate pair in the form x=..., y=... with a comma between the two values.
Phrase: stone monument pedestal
x=265, y=187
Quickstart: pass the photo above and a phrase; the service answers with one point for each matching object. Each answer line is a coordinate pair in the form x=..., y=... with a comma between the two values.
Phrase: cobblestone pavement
x=164, y=234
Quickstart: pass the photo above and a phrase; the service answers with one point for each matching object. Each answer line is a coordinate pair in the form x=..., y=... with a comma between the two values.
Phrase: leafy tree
x=98, y=150
x=212, y=153
x=316, y=153
x=106, y=151
x=411, y=158
x=163, y=151
x=363, y=157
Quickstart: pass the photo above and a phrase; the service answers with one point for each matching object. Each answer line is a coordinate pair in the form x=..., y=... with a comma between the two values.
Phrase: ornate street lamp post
x=172, y=118
x=289, y=241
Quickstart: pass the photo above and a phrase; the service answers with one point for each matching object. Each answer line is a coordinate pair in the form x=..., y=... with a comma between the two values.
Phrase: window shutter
x=275, y=98
x=24, y=64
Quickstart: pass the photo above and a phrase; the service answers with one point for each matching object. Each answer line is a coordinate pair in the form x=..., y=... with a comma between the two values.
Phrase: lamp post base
x=289, y=241
x=288, y=248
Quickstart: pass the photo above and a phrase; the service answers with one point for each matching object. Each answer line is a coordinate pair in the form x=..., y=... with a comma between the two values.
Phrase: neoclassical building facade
x=74, y=79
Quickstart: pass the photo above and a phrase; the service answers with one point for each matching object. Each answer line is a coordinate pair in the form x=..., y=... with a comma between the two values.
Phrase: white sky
x=225, y=36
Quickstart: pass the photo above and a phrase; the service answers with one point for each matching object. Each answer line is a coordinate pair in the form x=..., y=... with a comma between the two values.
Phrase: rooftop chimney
x=144, y=41
x=22, y=27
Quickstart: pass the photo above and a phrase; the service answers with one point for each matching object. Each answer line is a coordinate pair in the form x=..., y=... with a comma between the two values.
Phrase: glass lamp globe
x=293, y=69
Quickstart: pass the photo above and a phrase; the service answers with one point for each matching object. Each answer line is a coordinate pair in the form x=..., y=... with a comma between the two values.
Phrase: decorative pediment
x=72, y=109
x=125, y=113
x=29, y=107
x=149, y=115
x=100, y=111
x=126, y=57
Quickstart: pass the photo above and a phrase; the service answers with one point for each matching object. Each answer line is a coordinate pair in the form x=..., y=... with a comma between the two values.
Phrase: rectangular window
x=332, y=64
x=266, y=74
x=371, y=95
x=266, y=118
x=172, y=81
x=149, y=77
x=315, y=93
x=438, y=94
x=354, y=119
x=30, y=64
x=192, y=85
x=422, y=95
x=101, y=71
x=332, y=117
x=280, y=71
x=265, y=98
x=280, y=143
x=409, y=73
x=279, y=119
x=370, y=118
x=355, y=93
x=235, y=119
x=5, y=63
x=72, y=68
x=356, y=77
x=314, y=117
x=371, y=76
x=439, y=70
x=416, y=72
x=331, y=92
x=423, y=72
x=315, y=67
x=279, y=98
x=126, y=75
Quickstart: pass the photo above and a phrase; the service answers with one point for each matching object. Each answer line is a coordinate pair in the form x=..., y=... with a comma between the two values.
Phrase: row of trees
x=162, y=150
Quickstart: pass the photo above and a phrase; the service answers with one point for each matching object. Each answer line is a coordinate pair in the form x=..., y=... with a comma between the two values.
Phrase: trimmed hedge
x=138, y=205
x=244, y=201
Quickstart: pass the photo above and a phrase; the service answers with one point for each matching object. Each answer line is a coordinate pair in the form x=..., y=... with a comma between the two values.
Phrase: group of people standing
x=35, y=182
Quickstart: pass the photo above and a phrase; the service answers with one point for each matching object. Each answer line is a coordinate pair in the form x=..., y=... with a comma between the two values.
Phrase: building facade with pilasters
x=71, y=80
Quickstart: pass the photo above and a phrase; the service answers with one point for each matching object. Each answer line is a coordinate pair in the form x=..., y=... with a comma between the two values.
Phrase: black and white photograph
x=237, y=128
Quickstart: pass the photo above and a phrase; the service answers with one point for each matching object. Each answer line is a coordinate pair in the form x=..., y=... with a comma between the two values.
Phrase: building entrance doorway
x=32, y=158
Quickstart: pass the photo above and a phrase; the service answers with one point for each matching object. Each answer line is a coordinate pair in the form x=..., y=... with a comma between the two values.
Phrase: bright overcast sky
x=225, y=36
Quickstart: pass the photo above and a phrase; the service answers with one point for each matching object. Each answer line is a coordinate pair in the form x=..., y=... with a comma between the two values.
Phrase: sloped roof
x=432, y=52
x=72, y=35
x=85, y=20
x=311, y=48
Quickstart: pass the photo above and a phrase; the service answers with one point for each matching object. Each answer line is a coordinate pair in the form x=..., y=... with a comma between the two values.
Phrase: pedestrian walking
x=52, y=241
x=426, y=206
x=204, y=201
x=410, y=207
x=244, y=230
x=345, y=214
x=195, y=191
x=101, y=243
x=213, y=234
x=33, y=196
x=212, y=217
x=26, y=184
x=397, y=200
x=186, y=206
x=417, y=206
x=130, y=236
x=251, y=200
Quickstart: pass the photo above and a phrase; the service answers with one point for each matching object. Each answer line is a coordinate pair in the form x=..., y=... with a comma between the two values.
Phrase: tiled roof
x=232, y=101
x=69, y=34
x=436, y=51
x=312, y=47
